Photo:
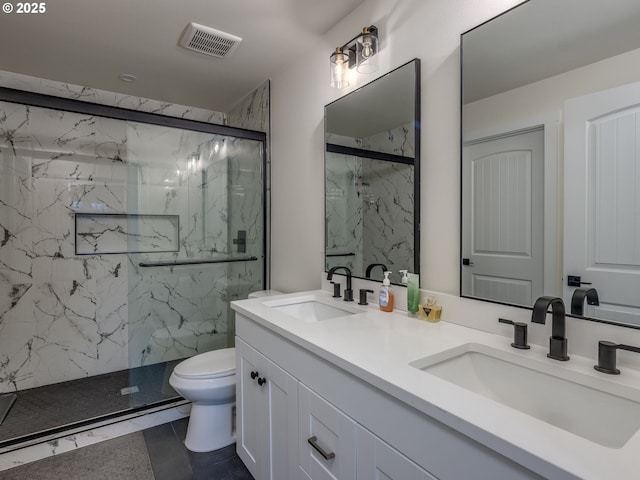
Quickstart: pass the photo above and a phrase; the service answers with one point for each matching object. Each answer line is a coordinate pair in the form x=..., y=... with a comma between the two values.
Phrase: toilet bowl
x=208, y=380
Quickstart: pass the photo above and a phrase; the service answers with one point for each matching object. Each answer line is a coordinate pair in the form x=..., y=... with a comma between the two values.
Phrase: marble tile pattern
x=397, y=141
x=252, y=112
x=387, y=230
x=370, y=204
x=118, y=233
x=64, y=316
x=245, y=188
x=93, y=95
x=344, y=212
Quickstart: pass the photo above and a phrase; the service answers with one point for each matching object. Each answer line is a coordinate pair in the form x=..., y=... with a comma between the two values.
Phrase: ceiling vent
x=209, y=41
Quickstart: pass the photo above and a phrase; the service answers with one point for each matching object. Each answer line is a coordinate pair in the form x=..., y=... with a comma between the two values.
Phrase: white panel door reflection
x=602, y=200
x=502, y=218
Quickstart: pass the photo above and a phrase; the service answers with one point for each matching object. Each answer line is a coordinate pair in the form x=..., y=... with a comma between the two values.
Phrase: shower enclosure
x=123, y=238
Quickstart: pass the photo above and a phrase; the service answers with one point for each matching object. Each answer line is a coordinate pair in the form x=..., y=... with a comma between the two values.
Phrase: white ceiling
x=562, y=35
x=91, y=42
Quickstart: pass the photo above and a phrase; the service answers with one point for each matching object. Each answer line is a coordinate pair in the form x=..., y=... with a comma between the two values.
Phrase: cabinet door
x=327, y=448
x=249, y=414
x=266, y=415
x=281, y=455
x=379, y=461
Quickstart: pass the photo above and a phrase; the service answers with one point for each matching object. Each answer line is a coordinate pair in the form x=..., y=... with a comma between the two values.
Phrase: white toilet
x=208, y=380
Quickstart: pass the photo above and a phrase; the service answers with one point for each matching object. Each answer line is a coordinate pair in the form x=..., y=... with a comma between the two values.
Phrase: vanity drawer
x=327, y=439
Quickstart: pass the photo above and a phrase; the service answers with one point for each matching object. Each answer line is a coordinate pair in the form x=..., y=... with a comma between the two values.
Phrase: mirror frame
x=379, y=156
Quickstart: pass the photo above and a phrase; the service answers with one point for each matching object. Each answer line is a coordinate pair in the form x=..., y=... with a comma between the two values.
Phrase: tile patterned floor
x=121, y=458
x=157, y=453
x=170, y=459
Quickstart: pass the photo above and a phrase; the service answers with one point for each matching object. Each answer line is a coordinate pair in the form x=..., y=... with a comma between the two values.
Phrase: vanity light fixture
x=358, y=53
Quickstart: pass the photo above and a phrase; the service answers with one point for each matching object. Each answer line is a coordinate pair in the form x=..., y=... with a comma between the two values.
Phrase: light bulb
x=367, y=51
x=339, y=63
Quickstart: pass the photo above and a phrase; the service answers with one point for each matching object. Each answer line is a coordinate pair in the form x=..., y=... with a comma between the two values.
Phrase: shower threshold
x=51, y=411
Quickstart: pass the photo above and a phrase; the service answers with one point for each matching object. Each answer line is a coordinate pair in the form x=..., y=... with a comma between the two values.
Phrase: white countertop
x=378, y=347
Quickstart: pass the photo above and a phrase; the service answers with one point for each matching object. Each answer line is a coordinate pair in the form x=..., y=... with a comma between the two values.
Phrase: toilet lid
x=217, y=363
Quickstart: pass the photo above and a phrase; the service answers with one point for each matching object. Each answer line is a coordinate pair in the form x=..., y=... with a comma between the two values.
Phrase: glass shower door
x=196, y=220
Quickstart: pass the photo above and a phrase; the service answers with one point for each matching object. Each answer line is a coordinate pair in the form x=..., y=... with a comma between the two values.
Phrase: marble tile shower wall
x=390, y=196
x=344, y=207
x=249, y=189
x=61, y=316
x=397, y=141
x=363, y=196
x=178, y=312
x=93, y=95
x=64, y=316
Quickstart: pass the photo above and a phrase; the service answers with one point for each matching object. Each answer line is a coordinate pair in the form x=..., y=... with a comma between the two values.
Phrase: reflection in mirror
x=371, y=176
x=552, y=87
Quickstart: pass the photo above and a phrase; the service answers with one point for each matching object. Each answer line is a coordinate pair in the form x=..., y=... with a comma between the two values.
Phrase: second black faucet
x=348, y=291
x=557, y=340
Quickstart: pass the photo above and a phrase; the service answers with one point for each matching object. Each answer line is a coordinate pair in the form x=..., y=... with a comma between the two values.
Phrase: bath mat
x=6, y=402
x=121, y=458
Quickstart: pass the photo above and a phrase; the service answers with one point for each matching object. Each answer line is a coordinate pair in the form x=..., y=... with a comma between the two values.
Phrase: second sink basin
x=578, y=403
x=312, y=308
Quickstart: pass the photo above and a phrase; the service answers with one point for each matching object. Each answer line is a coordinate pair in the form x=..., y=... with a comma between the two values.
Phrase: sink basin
x=312, y=308
x=599, y=411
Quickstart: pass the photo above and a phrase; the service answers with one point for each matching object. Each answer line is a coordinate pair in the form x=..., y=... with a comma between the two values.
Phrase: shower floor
x=46, y=410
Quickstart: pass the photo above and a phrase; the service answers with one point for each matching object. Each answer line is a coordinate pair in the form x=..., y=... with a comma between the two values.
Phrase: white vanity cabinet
x=266, y=415
x=327, y=444
x=372, y=434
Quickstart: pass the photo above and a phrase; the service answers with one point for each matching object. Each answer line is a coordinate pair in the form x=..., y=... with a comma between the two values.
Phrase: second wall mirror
x=550, y=157
x=372, y=171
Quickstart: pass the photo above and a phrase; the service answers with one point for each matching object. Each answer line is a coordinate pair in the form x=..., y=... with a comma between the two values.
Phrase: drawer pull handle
x=254, y=375
x=313, y=441
x=262, y=381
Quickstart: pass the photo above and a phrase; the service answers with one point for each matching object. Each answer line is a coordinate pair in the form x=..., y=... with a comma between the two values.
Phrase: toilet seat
x=208, y=365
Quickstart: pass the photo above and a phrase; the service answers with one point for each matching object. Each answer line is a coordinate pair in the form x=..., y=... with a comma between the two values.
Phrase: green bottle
x=413, y=293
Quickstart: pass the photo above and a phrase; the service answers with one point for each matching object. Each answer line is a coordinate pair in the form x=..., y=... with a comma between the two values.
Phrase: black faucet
x=577, y=299
x=557, y=340
x=348, y=292
x=367, y=273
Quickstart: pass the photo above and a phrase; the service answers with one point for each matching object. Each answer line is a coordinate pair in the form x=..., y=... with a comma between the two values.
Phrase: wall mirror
x=551, y=157
x=372, y=163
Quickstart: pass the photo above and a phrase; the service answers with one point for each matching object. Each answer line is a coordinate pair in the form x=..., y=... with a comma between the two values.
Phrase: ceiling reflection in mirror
x=550, y=157
x=372, y=155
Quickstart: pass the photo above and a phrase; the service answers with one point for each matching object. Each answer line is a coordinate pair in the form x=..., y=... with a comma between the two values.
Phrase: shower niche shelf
x=111, y=233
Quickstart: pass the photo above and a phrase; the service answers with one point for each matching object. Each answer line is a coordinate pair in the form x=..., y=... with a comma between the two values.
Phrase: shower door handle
x=241, y=241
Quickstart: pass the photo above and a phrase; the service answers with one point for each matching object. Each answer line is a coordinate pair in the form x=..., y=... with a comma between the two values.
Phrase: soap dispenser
x=385, y=299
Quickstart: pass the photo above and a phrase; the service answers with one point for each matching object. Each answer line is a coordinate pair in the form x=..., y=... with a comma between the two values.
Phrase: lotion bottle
x=385, y=299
